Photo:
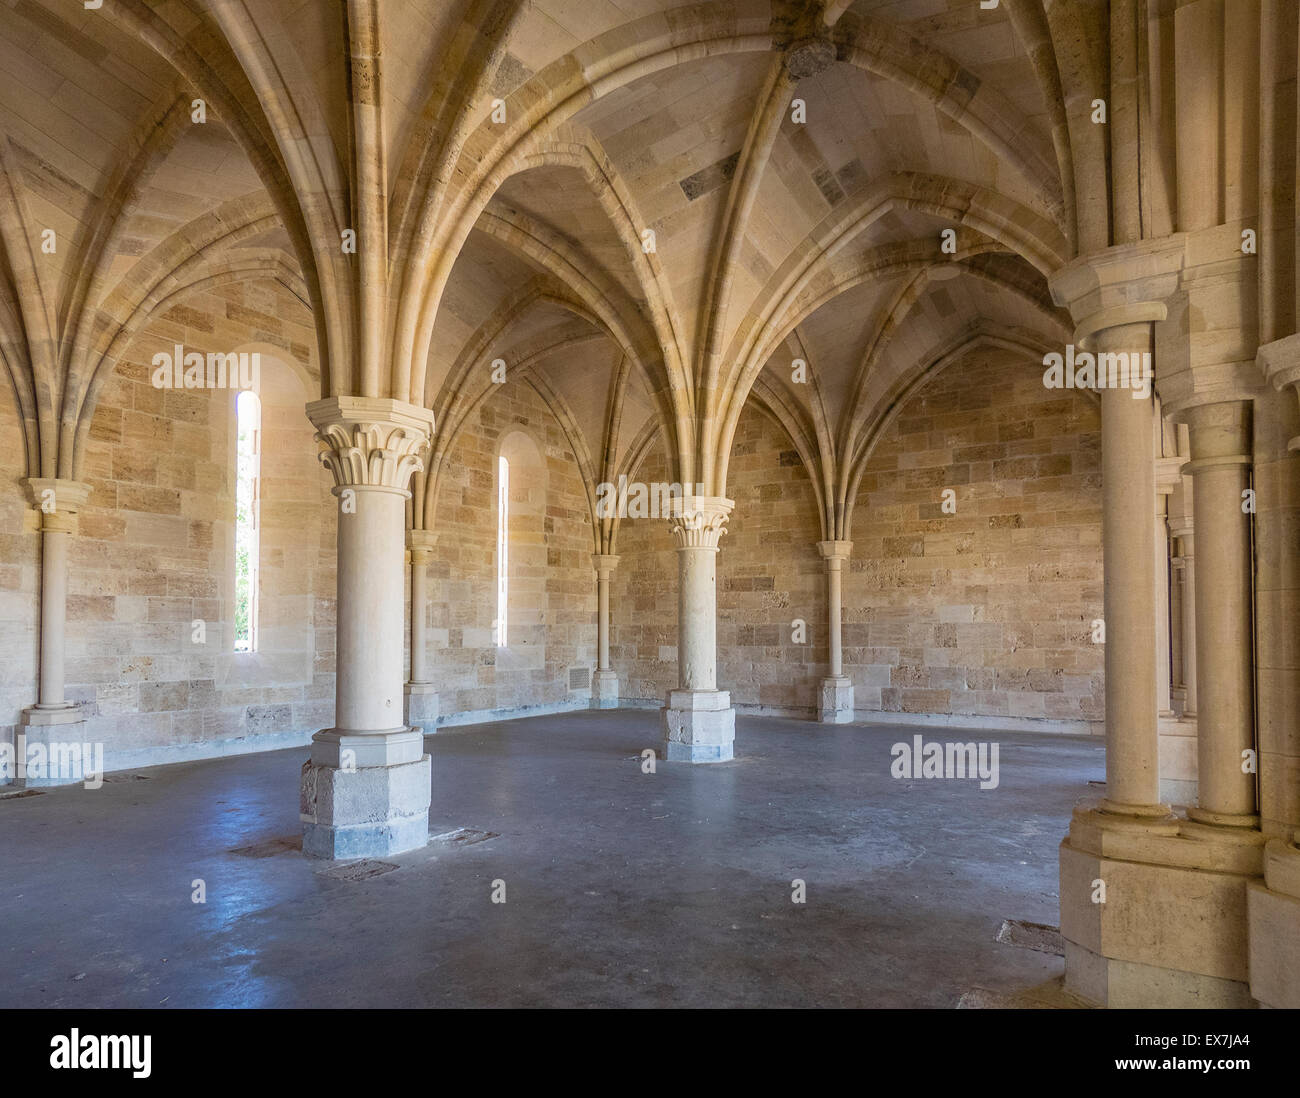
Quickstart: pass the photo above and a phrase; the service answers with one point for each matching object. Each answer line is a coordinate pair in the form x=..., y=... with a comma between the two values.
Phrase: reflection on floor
x=620, y=888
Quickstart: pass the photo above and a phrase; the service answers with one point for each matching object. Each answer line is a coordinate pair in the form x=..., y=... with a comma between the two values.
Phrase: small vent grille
x=579, y=678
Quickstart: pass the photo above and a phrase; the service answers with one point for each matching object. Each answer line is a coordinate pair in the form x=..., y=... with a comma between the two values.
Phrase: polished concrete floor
x=621, y=888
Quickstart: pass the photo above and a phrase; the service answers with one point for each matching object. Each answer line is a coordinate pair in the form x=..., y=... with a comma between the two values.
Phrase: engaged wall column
x=53, y=722
x=604, y=687
x=837, y=690
x=1225, y=689
x=421, y=693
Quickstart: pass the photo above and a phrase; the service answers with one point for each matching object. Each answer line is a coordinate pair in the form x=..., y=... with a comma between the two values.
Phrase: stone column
x=366, y=787
x=604, y=686
x=837, y=689
x=1128, y=552
x=1273, y=905
x=1220, y=471
x=52, y=732
x=1164, y=700
x=421, y=693
x=1187, y=543
x=699, y=723
x=1178, y=737
x=1117, y=297
x=1179, y=690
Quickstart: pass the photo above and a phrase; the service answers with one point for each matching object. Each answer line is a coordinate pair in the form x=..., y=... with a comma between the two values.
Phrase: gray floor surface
x=621, y=888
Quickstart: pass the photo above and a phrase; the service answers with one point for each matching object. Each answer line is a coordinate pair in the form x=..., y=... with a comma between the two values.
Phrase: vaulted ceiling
x=646, y=209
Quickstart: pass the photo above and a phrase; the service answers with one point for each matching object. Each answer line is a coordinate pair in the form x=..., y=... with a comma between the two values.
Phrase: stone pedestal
x=366, y=787
x=604, y=690
x=365, y=795
x=1273, y=918
x=699, y=723
x=836, y=701
x=51, y=748
x=1169, y=930
x=699, y=726
x=421, y=708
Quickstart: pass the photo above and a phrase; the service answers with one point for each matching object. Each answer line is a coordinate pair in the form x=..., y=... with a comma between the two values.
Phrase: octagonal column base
x=604, y=690
x=837, y=701
x=699, y=726
x=365, y=794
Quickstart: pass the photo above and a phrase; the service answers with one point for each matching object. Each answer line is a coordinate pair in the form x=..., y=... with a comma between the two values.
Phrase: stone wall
x=552, y=602
x=643, y=596
x=983, y=613
x=769, y=578
x=20, y=555
x=151, y=570
x=772, y=638
x=986, y=612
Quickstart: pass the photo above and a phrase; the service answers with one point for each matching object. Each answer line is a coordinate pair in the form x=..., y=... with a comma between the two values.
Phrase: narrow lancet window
x=503, y=547
x=248, y=499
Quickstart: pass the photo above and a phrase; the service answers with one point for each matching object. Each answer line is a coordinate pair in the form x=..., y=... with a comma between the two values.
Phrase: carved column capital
x=1169, y=474
x=1219, y=435
x=835, y=553
x=1125, y=284
x=603, y=564
x=57, y=501
x=699, y=521
x=371, y=442
x=420, y=544
x=1280, y=363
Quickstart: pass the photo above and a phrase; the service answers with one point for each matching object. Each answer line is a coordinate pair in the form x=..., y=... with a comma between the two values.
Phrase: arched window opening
x=248, y=498
x=503, y=547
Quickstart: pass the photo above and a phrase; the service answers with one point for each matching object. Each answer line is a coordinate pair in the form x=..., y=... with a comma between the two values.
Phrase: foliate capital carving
x=371, y=442
x=699, y=521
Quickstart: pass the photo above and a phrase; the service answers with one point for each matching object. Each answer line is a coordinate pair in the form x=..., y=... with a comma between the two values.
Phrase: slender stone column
x=699, y=723
x=421, y=693
x=1179, y=689
x=1164, y=700
x=53, y=720
x=1273, y=905
x=1128, y=486
x=604, y=687
x=366, y=787
x=1220, y=471
x=1187, y=541
x=837, y=689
